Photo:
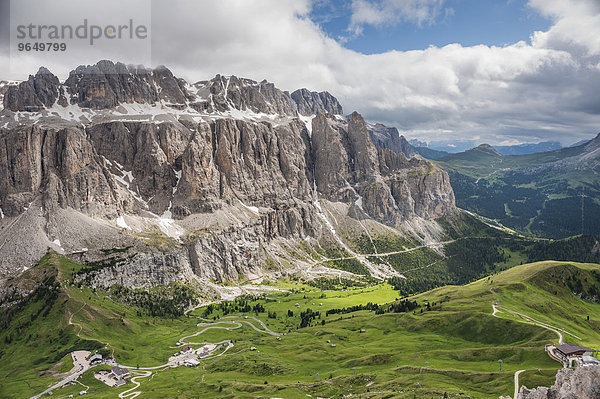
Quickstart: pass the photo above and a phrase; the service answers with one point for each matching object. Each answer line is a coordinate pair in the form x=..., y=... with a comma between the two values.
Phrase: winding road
x=174, y=361
x=264, y=326
x=532, y=321
x=527, y=320
x=517, y=386
x=216, y=346
x=132, y=393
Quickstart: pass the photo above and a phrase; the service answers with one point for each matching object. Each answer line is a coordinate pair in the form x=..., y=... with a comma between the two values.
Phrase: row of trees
x=402, y=306
x=307, y=317
x=369, y=306
x=241, y=304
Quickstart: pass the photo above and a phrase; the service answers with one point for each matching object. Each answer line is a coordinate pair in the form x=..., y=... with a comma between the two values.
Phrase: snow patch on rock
x=252, y=209
x=121, y=223
x=125, y=178
x=307, y=120
x=359, y=202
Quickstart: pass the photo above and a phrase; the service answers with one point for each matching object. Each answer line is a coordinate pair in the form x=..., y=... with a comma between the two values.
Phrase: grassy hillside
x=449, y=343
x=530, y=193
x=430, y=153
x=484, y=161
x=59, y=317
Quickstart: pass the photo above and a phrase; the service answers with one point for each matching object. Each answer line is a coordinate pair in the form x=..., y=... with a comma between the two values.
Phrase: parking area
x=80, y=361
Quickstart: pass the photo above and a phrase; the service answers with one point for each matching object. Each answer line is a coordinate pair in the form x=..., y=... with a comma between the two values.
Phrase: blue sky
x=468, y=22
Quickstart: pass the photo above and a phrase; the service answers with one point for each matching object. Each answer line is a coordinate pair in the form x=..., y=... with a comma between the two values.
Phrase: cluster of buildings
x=95, y=359
x=571, y=355
x=116, y=377
x=189, y=356
x=119, y=374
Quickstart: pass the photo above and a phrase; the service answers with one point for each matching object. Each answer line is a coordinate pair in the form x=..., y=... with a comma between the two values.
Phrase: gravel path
x=517, y=386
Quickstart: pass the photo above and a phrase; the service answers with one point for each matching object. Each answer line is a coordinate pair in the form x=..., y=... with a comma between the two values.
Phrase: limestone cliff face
x=106, y=85
x=57, y=165
x=223, y=168
x=39, y=91
x=88, y=169
x=146, y=156
x=261, y=163
x=386, y=185
x=389, y=138
x=223, y=93
x=312, y=103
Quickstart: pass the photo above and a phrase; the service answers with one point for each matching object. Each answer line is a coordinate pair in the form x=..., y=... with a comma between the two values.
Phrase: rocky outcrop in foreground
x=581, y=383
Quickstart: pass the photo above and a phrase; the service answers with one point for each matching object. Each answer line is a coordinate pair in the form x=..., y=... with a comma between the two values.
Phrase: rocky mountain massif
x=150, y=179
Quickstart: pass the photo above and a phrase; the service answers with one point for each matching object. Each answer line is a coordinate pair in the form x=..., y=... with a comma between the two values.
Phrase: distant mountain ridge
x=429, y=153
x=552, y=194
x=480, y=152
x=436, y=148
x=530, y=148
x=518, y=149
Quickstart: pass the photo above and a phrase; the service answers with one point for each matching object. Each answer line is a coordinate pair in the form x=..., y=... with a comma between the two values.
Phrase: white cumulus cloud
x=542, y=89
